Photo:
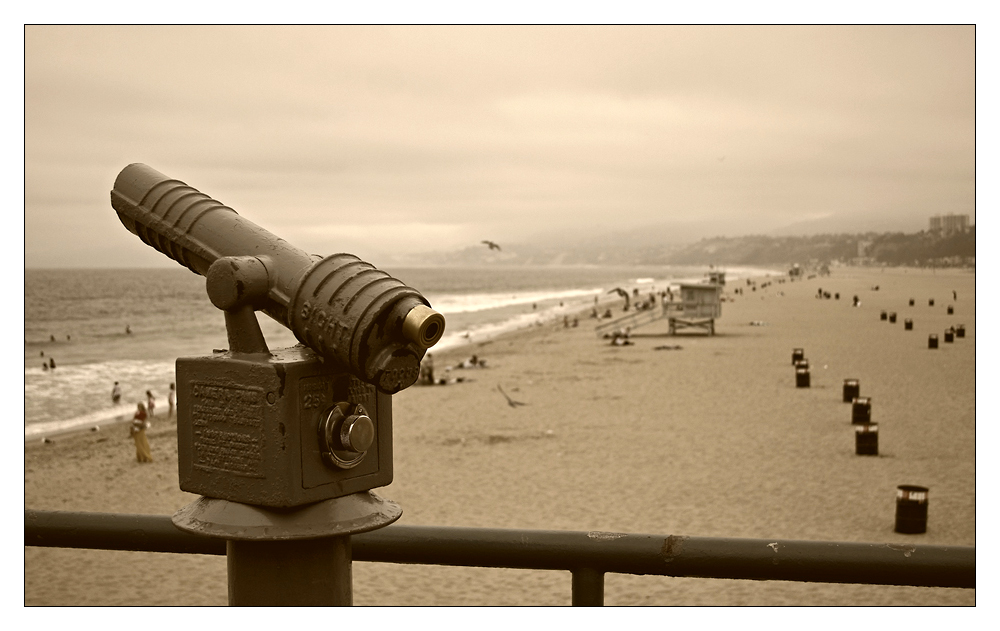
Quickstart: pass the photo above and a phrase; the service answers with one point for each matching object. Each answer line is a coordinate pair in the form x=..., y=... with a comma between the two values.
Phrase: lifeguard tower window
x=717, y=278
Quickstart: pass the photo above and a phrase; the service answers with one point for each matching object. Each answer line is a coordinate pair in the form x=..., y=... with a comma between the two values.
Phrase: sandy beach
x=709, y=439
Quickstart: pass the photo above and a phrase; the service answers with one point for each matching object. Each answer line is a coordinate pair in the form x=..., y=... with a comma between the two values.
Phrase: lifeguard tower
x=698, y=307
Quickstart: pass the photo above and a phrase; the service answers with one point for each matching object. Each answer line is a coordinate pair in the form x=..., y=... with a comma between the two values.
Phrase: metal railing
x=587, y=555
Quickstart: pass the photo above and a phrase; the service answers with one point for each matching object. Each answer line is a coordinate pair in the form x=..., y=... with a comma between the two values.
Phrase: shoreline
x=118, y=422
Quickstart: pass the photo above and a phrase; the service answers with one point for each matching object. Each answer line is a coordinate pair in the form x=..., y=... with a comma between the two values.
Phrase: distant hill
x=892, y=248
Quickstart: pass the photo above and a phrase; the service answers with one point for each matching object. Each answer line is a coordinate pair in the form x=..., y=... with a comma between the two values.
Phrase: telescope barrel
x=348, y=311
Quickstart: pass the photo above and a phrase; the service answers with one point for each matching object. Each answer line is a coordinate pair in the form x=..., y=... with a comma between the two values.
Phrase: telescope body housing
x=249, y=429
x=350, y=313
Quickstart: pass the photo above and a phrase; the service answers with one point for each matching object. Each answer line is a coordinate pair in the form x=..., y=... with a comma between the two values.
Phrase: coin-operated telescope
x=291, y=427
x=295, y=425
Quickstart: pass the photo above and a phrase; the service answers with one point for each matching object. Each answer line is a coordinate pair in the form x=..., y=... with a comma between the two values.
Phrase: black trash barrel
x=951, y=310
x=911, y=509
x=932, y=341
x=883, y=316
x=866, y=439
x=892, y=316
x=797, y=354
x=911, y=302
x=836, y=296
x=908, y=324
x=861, y=411
x=930, y=302
x=960, y=330
x=801, y=377
x=852, y=390
x=949, y=335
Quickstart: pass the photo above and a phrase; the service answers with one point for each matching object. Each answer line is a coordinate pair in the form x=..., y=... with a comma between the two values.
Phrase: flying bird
x=621, y=292
x=493, y=246
x=511, y=402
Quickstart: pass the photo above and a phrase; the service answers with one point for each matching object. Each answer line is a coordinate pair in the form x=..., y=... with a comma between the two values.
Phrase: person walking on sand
x=137, y=430
x=427, y=367
x=116, y=394
x=150, y=403
x=171, y=401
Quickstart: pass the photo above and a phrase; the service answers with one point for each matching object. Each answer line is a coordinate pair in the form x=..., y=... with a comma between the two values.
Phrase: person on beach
x=150, y=403
x=52, y=363
x=171, y=401
x=427, y=369
x=128, y=330
x=473, y=362
x=116, y=393
x=137, y=430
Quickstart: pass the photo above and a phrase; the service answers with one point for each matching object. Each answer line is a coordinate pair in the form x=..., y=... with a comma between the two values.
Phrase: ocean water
x=78, y=318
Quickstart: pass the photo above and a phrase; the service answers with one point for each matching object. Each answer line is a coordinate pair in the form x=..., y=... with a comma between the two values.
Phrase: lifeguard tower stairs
x=698, y=307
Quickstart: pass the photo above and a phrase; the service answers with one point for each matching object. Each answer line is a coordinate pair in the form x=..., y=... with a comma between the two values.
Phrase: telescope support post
x=292, y=557
x=307, y=573
x=243, y=331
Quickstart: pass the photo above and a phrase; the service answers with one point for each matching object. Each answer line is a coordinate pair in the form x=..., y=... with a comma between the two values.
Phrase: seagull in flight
x=621, y=292
x=493, y=246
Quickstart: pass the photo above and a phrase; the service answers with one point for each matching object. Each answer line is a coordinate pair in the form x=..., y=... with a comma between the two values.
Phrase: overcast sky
x=379, y=139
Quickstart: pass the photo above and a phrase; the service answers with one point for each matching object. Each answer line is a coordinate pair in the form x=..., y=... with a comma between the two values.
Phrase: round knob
x=345, y=435
x=357, y=433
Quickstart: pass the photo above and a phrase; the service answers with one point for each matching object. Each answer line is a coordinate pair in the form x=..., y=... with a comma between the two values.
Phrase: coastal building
x=949, y=224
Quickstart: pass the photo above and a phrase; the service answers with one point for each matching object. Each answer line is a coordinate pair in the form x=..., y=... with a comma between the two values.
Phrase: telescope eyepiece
x=423, y=326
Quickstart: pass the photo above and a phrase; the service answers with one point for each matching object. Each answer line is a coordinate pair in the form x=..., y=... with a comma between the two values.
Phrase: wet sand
x=712, y=439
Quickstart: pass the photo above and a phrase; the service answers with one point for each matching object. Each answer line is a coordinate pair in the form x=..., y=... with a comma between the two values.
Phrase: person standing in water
x=137, y=430
x=116, y=394
x=171, y=401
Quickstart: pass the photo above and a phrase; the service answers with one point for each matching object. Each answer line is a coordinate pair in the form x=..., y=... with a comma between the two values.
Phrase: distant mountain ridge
x=891, y=248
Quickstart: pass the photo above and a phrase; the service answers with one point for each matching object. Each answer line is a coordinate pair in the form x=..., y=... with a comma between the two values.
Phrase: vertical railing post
x=588, y=588
x=292, y=557
x=305, y=573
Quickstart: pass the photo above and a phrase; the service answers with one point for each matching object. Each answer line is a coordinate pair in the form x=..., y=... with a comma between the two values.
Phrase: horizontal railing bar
x=114, y=531
x=704, y=557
